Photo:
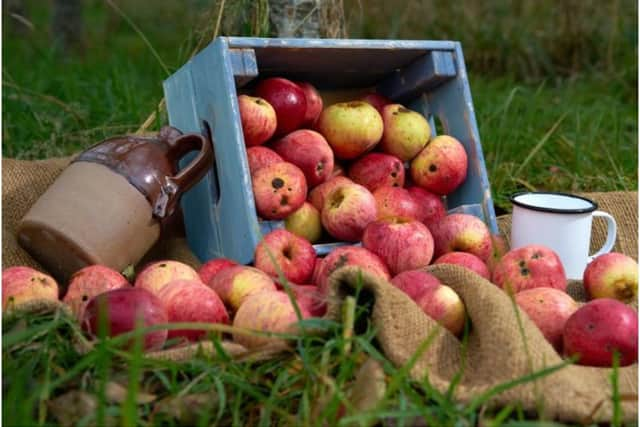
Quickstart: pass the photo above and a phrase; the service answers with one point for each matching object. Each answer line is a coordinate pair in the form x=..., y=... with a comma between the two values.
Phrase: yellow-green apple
x=461, y=233
x=90, y=281
x=415, y=282
x=443, y=305
x=347, y=210
x=191, y=301
x=351, y=128
x=281, y=251
x=309, y=151
x=305, y=222
x=376, y=100
x=258, y=120
x=395, y=202
x=613, y=275
x=499, y=247
x=234, y=284
x=406, y=132
x=288, y=101
x=374, y=170
x=598, y=329
x=467, y=260
x=125, y=310
x=157, y=274
x=319, y=193
x=527, y=267
x=278, y=189
x=213, y=267
x=310, y=298
x=430, y=206
x=350, y=255
x=549, y=309
x=21, y=284
x=441, y=166
x=260, y=156
x=314, y=103
x=401, y=244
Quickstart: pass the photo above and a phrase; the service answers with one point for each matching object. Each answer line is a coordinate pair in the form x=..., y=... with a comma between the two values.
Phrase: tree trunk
x=67, y=25
x=307, y=18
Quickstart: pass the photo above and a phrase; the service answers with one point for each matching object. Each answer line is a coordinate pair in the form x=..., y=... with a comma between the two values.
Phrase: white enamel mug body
x=562, y=222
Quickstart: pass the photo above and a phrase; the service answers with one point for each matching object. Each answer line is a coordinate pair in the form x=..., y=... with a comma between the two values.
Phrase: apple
x=441, y=166
x=401, y=244
x=415, y=282
x=499, y=247
x=278, y=189
x=600, y=327
x=350, y=255
x=351, y=128
x=90, y=281
x=443, y=305
x=213, y=267
x=157, y=274
x=305, y=222
x=395, y=202
x=292, y=255
x=259, y=157
x=316, y=270
x=309, y=151
x=124, y=310
x=613, y=275
x=319, y=193
x=21, y=284
x=347, y=210
x=288, y=101
x=310, y=299
x=267, y=311
x=430, y=206
x=461, y=233
x=549, y=309
x=191, y=301
x=258, y=120
x=314, y=103
x=527, y=267
x=466, y=260
x=406, y=132
x=375, y=170
x=376, y=100
x=234, y=284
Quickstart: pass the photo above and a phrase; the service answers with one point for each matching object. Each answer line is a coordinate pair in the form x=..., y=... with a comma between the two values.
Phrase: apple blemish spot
x=277, y=183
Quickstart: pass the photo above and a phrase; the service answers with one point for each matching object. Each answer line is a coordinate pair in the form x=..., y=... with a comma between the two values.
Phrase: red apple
x=305, y=222
x=375, y=170
x=499, y=247
x=461, y=233
x=191, y=301
x=283, y=252
x=527, y=267
x=258, y=120
x=21, y=284
x=376, y=100
x=259, y=157
x=406, y=132
x=310, y=299
x=124, y=310
x=430, y=206
x=395, y=202
x=350, y=255
x=314, y=103
x=234, y=284
x=351, y=128
x=613, y=275
x=466, y=260
x=600, y=327
x=157, y=274
x=213, y=267
x=443, y=305
x=441, y=166
x=309, y=151
x=347, y=210
x=90, y=281
x=549, y=309
x=278, y=189
x=288, y=101
x=316, y=270
x=402, y=244
x=415, y=282
x=319, y=193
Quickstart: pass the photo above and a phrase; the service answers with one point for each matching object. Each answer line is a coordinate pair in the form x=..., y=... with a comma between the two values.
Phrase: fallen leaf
x=116, y=393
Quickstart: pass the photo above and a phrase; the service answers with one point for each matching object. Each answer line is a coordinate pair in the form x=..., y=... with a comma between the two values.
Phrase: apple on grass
x=347, y=210
x=350, y=256
x=287, y=99
x=314, y=103
x=415, y=282
x=258, y=119
x=613, y=275
x=260, y=156
x=431, y=208
x=461, y=233
x=406, y=132
x=443, y=305
x=21, y=284
x=395, y=202
x=157, y=274
x=527, y=267
x=305, y=222
x=213, y=267
x=281, y=251
x=234, y=284
x=441, y=166
x=375, y=170
x=278, y=189
x=90, y=281
x=309, y=151
x=318, y=194
x=466, y=260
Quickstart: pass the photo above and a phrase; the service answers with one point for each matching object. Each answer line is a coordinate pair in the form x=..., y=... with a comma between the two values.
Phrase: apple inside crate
x=425, y=76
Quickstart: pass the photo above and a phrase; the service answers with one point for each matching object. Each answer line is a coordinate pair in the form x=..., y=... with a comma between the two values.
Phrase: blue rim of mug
x=591, y=208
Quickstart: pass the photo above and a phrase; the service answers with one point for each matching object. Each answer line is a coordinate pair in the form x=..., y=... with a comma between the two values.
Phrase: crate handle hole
x=215, y=191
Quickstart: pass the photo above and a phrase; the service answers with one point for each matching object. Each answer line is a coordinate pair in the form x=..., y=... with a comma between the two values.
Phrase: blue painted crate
x=426, y=76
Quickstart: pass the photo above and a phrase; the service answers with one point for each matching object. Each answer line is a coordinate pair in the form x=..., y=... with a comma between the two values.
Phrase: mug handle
x=612, y=229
